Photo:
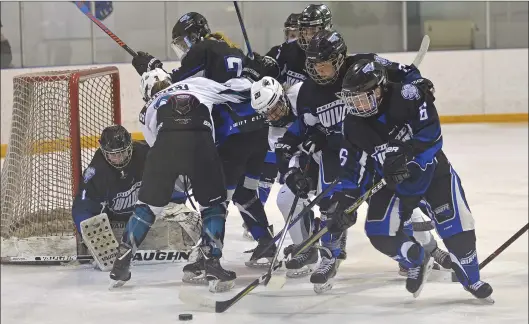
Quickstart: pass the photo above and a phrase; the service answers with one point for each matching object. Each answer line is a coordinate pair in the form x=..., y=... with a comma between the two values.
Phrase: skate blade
x=486, y=300
x=217, y=286
x=301, y=272
x=116, y=284
x=258, y=264
x=427, y=272
x=324, y=287
x=195, y=279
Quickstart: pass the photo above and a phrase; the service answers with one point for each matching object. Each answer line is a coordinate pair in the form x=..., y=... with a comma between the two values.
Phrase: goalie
x=109, y=190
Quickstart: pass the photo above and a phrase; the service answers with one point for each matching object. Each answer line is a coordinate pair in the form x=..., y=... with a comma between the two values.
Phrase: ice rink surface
x=492, y=163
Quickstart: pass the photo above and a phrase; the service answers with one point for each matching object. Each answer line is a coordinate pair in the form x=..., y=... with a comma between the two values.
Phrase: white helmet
x=268, y=99
x=149, y=79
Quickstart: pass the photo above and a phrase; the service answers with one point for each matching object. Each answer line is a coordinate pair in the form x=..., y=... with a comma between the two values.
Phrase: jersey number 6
x=234, y=63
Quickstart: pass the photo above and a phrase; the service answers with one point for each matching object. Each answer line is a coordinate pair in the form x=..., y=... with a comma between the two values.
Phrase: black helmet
x=313, y=19
x=116, y=146
x=325, y=46
x=190, y=29
x=362, y=87
x=291, y=26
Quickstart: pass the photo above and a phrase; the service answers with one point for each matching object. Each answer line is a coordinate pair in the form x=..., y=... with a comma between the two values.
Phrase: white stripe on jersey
x=208, y=92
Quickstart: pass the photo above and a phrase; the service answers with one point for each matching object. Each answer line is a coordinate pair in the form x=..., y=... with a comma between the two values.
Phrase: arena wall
x=471, y=86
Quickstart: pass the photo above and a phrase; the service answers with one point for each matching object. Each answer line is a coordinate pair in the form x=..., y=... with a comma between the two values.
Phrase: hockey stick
x=241, y=22
x=425, y=44
x=84, y=9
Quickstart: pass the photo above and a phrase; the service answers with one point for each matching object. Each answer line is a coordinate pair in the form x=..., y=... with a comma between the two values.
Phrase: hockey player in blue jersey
x=111, y=183
x=393, y=132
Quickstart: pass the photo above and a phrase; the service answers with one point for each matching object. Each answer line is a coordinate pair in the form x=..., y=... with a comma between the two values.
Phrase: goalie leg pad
x=179, y=215
x=98, y=237
x=138, y=226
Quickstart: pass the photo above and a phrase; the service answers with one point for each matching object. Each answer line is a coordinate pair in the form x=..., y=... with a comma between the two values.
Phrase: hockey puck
x=185, y=317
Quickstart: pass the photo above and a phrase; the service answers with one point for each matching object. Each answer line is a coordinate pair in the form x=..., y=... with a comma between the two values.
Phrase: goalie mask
x=362, y=88
x=153, y=82
x=190, y=29
x=325, y=56
x=268, y=99
x=313, y=19
x=116, y=146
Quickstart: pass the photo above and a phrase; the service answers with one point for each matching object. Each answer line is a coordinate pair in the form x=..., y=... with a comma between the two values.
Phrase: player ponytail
x=221, y=37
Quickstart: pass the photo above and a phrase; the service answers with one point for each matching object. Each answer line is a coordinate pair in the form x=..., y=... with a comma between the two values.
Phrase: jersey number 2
x=234, y=64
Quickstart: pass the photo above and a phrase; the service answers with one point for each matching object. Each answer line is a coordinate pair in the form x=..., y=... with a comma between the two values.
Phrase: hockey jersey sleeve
x=90, y=200
x=192, y=65
x=149, y=123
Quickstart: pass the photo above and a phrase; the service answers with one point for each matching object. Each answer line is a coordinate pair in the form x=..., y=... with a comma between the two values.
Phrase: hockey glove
x=284, y=152
x=395, y=167
x=337, y=220
x=145, y=62
x=315, y=142
x=260, y=66
x=298, y=183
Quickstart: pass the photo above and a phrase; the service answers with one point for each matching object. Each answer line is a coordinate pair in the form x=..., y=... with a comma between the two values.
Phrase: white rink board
x=492, y=163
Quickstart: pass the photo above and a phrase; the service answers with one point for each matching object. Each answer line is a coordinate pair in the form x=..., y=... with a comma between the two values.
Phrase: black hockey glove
x=260, y=66
x=314, y=142
x=145, y=62
x=426, y=86
x=337, y=220
x=298, y=183
x=284, y=152
x=395, y=167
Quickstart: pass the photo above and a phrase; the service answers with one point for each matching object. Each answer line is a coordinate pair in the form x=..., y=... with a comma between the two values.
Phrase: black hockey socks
x=213, y=227
x=462, y=248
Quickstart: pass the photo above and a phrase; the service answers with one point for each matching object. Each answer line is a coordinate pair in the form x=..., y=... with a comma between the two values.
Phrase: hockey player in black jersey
x=111, y=183
x=290, y=57
x=320, y=125
x=393, y=132
x=291, y=31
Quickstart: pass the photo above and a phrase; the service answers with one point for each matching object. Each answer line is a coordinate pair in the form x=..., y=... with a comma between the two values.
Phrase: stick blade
x=425, y=44
x=276, y=282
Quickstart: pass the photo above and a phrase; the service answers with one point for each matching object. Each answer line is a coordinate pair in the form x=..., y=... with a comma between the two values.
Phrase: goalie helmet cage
x=58, y=117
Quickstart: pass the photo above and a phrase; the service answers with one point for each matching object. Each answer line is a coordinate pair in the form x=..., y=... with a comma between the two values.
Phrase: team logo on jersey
x=382, y=60
x=331, y=113
x=293, y=78
x=410, y=92
x=89, y=174
x=124, y=201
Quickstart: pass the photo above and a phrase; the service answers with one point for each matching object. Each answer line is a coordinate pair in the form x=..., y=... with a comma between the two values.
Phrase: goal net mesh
x=57, y=119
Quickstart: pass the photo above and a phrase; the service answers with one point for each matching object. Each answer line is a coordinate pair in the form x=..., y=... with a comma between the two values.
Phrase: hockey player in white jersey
x=176, y=122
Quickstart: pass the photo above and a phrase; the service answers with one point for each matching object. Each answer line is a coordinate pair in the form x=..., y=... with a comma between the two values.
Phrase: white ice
x=492, y=163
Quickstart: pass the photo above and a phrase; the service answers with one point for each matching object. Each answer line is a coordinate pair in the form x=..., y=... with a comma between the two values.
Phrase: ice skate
x=417, y=276
x=195, y=273
x=322, y=278
x=219, y=279
x=266, y=256
x=302, y=264
x=482, y=291
x=120, y=272
x=343, y=253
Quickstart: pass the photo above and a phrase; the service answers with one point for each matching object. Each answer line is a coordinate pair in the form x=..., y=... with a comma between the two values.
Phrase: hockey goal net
x=57, y=119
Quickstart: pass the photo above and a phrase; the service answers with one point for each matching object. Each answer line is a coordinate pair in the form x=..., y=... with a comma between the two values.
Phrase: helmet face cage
x=316, y=69
x=116, y=146
x=291, y=34
x=313, y=19
x=182, y=44
x=277, y=111
x=362, y=104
